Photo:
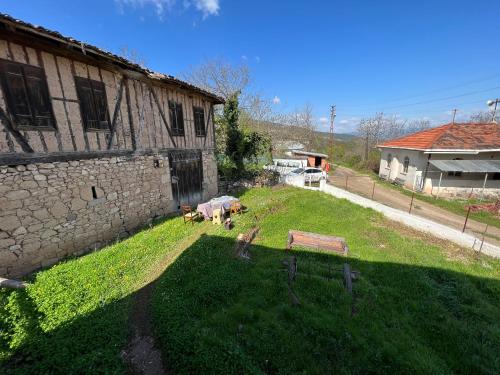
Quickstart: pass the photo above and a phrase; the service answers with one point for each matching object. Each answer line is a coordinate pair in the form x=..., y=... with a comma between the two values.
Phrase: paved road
x=393, y=198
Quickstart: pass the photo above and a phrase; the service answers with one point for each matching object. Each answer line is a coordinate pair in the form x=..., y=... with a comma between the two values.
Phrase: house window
x=27, y=94
x=93, y=103
x=176, y=118
x=456, y=173
x=406, y=164
x=199, y=121
x=389, y=160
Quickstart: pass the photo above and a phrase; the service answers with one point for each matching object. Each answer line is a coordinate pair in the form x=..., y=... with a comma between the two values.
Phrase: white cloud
x=323, y=120
x=276, y=100
x=207, y=7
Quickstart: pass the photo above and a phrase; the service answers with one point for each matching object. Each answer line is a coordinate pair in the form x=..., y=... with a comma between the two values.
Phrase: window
x=199, y=121
x=457, y=173
x=406, y=164
x=93, y=103
x=27, y=95
x=389, y=160
x=176, y=118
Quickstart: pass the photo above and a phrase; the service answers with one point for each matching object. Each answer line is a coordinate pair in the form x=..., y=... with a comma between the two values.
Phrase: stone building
x=92, y=146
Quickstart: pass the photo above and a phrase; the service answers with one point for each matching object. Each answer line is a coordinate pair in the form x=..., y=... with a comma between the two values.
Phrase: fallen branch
x=243, y=242
x=12, y=284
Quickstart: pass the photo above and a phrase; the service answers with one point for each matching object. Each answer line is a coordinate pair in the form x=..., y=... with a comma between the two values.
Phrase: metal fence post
x=466, y=218
x=411, y=203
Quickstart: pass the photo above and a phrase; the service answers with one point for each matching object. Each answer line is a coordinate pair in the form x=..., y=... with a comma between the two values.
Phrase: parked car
x=310, y=174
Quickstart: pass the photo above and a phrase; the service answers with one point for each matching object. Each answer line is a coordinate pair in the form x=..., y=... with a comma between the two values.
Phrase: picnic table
x=223, y=203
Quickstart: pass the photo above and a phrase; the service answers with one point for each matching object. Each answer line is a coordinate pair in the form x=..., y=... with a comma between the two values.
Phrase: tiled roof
x=96, y=52
x=469, y=136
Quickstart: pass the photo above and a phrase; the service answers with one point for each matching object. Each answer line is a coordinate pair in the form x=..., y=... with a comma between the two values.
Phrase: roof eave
x=107, y=56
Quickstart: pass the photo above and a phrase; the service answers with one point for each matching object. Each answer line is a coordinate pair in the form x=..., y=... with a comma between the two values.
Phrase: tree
x=132, y=55
x=220, y=77
x=482, y=117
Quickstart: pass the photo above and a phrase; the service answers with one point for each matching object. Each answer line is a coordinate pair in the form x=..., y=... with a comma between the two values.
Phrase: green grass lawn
x=420, y=305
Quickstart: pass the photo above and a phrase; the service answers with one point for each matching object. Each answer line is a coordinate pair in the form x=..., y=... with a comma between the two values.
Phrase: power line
x=467, y=83
x=437, y=99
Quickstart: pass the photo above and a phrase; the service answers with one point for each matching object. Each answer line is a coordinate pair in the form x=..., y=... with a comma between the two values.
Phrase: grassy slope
x=456, y=206
x=74, y=315
x=413, y=306
x=214, y=313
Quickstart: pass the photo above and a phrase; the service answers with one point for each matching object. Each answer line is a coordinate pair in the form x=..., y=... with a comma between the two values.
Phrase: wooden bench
x=316, y=241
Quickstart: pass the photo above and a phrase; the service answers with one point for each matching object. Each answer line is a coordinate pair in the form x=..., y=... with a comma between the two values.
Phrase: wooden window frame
x=9, y=99
x=199, y=128
x=92, y=84
x=173, y=109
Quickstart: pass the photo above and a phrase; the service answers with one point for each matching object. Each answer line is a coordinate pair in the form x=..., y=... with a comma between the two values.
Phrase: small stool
x=217, y=216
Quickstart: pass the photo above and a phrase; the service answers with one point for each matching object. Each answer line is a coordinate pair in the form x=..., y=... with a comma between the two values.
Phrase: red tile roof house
x=450, y=160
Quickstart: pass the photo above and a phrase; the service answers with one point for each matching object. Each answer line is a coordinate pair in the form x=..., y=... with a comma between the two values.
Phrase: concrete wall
x=48, y=210
x=417, y=164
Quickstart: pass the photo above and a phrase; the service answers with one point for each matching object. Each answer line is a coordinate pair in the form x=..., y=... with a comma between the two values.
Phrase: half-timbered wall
x=67, y=190
x=138, y=110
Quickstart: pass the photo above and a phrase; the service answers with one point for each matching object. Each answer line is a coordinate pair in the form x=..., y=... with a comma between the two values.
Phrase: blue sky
x=414, y=59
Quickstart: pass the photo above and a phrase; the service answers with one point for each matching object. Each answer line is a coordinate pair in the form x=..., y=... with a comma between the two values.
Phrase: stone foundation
x=51, y=210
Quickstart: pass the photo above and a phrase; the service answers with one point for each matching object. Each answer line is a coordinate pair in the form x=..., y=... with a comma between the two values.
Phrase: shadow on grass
x=215, y=313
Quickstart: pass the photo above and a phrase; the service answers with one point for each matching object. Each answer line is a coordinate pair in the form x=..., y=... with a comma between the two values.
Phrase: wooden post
x=439, y=185
x=373, y=190
x=466, y=218
x=348, y=277
x=484, y=185
x=411, y=203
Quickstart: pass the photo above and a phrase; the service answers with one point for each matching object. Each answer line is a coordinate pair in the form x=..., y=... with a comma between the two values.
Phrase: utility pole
x=454, y=114
x=333, y=114
x=494, y=103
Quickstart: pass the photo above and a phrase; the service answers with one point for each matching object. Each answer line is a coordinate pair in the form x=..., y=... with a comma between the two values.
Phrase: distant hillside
x=343, y=137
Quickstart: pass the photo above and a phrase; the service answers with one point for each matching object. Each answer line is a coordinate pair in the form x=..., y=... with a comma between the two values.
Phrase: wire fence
x=409, y=201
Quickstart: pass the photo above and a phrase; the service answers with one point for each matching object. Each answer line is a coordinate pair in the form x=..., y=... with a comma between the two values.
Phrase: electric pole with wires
x=333, y=114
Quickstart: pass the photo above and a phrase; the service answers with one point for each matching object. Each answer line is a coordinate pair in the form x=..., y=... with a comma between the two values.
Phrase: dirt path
x=364, y=186
x=141, y=354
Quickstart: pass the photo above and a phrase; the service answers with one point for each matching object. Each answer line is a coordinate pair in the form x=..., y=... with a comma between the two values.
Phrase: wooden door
x=186, y=171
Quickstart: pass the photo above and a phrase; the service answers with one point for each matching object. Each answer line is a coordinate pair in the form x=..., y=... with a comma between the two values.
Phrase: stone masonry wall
x=51, y=210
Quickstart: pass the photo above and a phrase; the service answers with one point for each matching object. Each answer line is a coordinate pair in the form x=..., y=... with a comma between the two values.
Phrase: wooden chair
x=188, y=214
x=235, y=208
x=217, y=216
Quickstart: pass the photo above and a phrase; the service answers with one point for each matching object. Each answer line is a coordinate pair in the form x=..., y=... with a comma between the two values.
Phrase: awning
x=467, y=166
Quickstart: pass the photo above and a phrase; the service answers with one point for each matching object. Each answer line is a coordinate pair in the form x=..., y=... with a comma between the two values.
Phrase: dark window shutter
x=101, y=104
x=180, y=119
x=173, y=119
x=39, y=97
x=199, y=121
x=176, y=117
x=93, y=103
x=27, y=94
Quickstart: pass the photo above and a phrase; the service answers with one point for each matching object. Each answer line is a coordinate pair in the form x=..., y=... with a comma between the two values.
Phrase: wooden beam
x=348, y=277
x=206, y=127
x=130, y=117
x=15, y=133
x=162, y=115
x=12, y=284
x=115, y=114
